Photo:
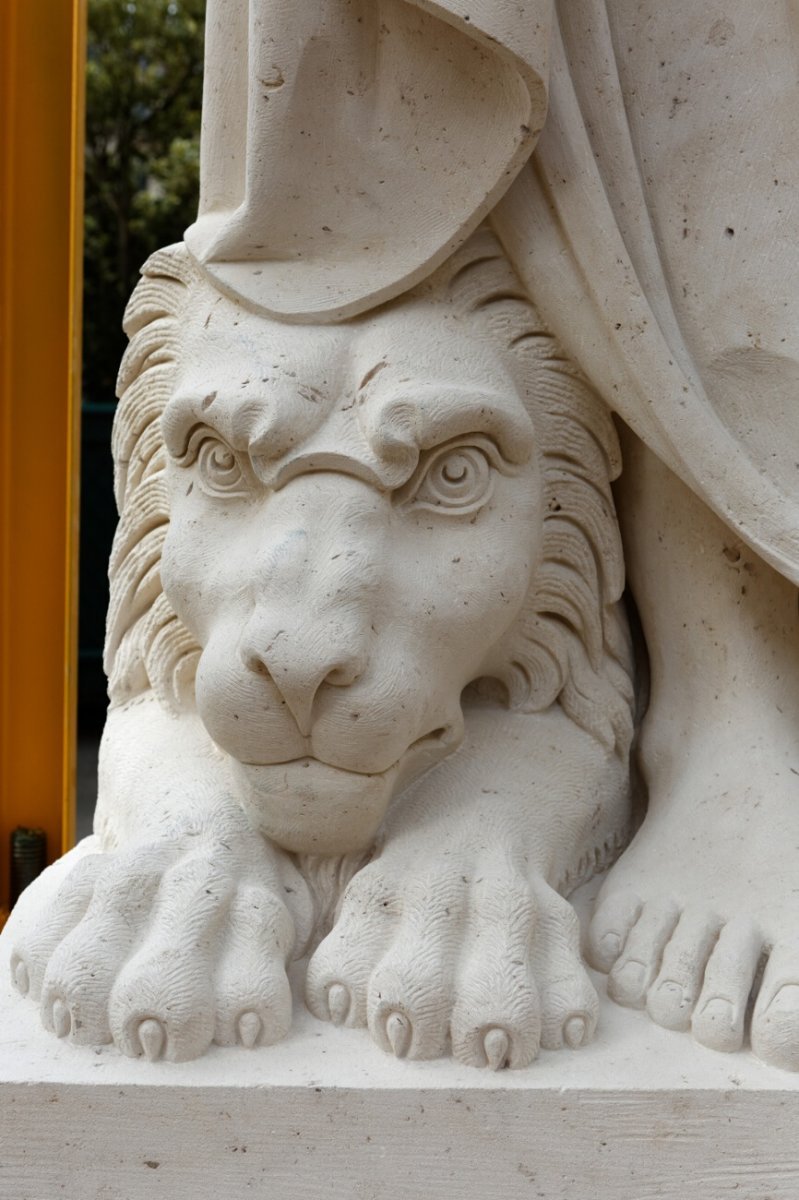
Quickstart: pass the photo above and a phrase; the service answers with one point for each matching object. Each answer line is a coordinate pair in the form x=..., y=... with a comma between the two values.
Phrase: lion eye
x=455, y=479
x=219, y=468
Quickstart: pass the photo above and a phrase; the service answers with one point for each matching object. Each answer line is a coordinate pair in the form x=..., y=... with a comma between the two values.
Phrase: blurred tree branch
x=143, y=102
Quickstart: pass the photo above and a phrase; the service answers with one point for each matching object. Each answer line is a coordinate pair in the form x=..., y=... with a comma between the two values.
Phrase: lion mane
x=570, y=645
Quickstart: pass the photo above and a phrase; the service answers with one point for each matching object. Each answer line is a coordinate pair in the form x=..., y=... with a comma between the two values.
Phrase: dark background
x=143, y=98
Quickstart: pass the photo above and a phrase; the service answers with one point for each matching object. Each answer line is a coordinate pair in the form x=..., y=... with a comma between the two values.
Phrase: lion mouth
x=435, y=744
x=309, y=806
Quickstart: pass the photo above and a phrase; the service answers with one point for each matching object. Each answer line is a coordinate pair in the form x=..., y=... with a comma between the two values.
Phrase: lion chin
x=310, y=807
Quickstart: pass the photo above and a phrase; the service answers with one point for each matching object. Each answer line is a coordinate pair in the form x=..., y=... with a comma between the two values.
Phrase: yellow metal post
x=42, y=62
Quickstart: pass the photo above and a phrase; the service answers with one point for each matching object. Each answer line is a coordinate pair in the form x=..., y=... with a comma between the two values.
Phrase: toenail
x=786, y=1000
x=718, y=1009
x=574, y=1032
x=22, y=979
x=496, y=1045
x=398, y=1032
x=151, y=1036
x=672, y=991
x=611, y=945
x=62, y=1021
x=629, y=979
x=338, y=1003
x=249, y=1029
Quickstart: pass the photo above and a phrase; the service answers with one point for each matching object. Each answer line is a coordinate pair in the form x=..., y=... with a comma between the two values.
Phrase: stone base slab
x=640, y=1114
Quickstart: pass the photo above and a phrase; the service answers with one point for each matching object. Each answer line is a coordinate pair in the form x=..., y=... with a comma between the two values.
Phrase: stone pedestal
x=639, y=1114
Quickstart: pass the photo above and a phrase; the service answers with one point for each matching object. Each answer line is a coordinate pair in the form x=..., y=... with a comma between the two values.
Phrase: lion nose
x=299, y=667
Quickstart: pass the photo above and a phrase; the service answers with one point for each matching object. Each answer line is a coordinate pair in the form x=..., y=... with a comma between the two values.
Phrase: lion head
x=328, y=533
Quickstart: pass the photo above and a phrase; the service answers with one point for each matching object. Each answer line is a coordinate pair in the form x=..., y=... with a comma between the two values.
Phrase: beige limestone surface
x=641, y=1113
x=369, y=662
x=369, y=669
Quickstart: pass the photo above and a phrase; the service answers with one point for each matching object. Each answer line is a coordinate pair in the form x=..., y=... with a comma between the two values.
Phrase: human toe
x=614, y=918
x=719, y=1017
x=671, y=999
x=638, y=964
x=775, y=1021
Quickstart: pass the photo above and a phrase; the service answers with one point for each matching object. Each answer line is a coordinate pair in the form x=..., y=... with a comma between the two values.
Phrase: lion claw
x=496, y=1044
x=22, y=980
x=399, y=1032
x=338, y=1003
x=152, y=1039
x=62, y=1021
x=574, y=1032
x=249, y=1029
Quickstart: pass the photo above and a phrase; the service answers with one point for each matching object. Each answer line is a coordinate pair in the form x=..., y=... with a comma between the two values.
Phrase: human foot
x=167, y=946
x=707, y=897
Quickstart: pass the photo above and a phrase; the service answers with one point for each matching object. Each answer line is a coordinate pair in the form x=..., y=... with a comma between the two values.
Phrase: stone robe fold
x=349, y=147
x=656, y=230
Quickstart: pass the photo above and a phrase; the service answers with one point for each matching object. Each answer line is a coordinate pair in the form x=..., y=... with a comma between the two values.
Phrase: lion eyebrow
x=274, y=411
x=186, y=408
x=402, y=420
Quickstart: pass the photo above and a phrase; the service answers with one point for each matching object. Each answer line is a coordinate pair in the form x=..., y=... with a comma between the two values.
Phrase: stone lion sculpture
x=371, y=681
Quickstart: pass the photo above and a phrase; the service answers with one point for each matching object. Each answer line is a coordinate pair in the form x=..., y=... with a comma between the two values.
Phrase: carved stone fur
x=369, y=669
x=570, y=644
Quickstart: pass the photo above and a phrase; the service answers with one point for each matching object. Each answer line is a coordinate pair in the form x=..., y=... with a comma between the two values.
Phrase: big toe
x=775, y=1021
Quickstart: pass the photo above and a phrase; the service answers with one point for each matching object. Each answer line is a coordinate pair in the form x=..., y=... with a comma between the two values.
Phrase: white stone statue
x=327, y=534
x=371, y=681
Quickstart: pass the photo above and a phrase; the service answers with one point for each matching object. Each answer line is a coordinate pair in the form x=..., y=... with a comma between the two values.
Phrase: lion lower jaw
x=310, y=807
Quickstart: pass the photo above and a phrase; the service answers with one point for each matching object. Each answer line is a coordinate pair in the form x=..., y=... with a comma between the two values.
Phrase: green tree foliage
x=143, y=98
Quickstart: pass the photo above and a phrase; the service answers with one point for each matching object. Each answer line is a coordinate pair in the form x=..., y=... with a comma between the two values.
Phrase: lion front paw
x=165, y=947
x=480, y=956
